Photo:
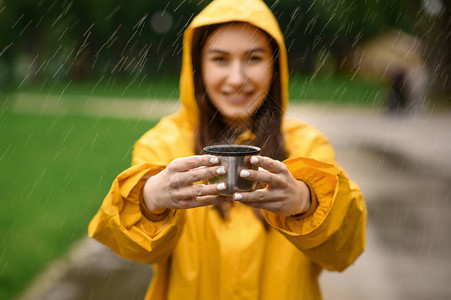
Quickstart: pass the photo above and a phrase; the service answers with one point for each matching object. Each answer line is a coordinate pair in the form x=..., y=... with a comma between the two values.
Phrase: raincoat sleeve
x=120, y=223
x=332, y=232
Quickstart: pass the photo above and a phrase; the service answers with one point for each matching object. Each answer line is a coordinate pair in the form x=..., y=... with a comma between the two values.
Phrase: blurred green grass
x=321, y=89
x=337, y=90
x=55, y=172
x=165, y=87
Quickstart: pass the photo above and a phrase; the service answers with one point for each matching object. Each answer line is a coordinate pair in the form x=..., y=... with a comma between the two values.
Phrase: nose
x=237, y=74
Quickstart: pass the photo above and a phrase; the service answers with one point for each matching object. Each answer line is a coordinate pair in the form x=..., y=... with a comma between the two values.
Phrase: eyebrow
x=219, y=51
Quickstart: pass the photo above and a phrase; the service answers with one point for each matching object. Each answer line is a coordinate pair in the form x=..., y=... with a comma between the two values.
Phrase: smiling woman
x=266, y=243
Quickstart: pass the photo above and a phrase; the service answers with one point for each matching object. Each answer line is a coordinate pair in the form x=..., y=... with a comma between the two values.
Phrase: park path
x=92, y=106
x=401, y=163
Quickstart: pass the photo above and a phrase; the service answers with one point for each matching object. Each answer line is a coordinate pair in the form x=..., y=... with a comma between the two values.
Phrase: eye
x=255, y=58
x=218, y=59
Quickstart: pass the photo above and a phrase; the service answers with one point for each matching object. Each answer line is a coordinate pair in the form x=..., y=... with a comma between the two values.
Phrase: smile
x=237, y=98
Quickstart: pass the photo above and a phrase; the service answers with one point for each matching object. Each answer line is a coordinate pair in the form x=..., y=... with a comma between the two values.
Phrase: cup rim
x=231, y=150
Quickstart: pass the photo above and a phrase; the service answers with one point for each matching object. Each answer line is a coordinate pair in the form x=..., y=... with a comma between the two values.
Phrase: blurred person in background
x=394, y=58
x=397, y=99
x=270, y=243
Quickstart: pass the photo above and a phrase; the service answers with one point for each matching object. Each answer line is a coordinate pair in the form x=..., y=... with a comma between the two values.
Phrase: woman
x=271, y=243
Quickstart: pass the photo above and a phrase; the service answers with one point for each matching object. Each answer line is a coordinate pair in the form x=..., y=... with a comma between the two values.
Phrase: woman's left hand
x=283, y=194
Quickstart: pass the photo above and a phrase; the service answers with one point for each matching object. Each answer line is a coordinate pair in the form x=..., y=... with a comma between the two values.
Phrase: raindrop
x=159, y=65
x=275, y=4
x=311, y=24
x=96, y=85
x=291, y=44
x=182, y=29
x=39, y=22
x=20, y=85
x=88, y=30
x=123, y=50
x=295, y=14
x=64, y=32
x=68, y=7
x=115, y=10
x=83, y=46
x=126, y=88
x=25, y=28
x=51, y=6
x=179, y=5
x=43, y=63
x=6, y=151
x=56, y=52
x=5, y=48
x=123, y=63
x=14, y=25
x=57, y=19
x=62, y=65
x=65, y=88
x=109, y=39
x=310, y=7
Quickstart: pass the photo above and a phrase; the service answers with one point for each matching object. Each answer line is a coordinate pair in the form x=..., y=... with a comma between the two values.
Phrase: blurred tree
x=434, y=28
x=87, y=39
x=317, y=28
x=53, y=39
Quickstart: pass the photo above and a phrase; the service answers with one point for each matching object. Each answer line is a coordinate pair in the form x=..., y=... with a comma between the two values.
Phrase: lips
x=238, y=98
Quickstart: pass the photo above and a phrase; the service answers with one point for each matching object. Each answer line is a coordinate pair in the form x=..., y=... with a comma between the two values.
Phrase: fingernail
x=254, y=160
x=237, y=196
x=221, y=186
x=245, y=173
x=214, y=160
x=221, y=171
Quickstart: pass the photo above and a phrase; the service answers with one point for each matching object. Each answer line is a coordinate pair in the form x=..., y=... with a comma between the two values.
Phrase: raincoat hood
x=254, y=12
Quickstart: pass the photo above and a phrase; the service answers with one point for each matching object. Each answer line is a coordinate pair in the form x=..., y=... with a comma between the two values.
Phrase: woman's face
x=237, y=69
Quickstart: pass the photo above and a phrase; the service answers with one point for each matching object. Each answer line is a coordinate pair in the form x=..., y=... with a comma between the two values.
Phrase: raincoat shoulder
x=171, y=138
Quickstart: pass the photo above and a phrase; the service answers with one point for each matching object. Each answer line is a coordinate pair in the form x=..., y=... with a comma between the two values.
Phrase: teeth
x=238, y=95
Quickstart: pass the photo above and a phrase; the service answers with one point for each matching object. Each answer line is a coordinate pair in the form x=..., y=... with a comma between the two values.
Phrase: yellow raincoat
x=198, y=255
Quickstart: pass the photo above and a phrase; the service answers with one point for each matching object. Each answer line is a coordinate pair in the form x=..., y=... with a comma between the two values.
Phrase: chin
x=236, y=115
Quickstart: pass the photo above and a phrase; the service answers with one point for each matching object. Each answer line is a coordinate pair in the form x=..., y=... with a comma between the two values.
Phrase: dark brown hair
x=266, y=120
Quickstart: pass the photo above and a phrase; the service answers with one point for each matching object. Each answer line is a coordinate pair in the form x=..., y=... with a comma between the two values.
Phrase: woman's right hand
x=174, y=186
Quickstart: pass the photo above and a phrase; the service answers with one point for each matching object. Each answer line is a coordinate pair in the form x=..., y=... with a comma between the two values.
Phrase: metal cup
x=234, y=158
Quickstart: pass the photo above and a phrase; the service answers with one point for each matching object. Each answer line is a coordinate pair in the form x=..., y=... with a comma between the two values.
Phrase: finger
x=258, y=196
x=269, y=164
x=195, y=191
x=272, y=179
x=202, y=201
x=192, y=162
x=200, y=190
x=199, y=174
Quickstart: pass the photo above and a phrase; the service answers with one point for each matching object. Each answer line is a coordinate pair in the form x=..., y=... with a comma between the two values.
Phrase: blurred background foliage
x=111, y=39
